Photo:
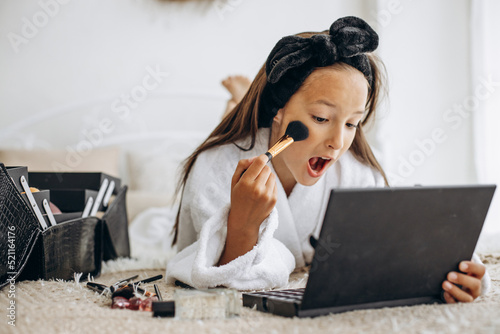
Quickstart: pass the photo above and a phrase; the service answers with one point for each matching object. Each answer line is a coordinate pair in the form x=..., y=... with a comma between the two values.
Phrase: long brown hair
x=242, y=122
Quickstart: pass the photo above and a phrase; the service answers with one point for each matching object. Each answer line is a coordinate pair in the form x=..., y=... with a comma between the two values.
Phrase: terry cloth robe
x=283, y=242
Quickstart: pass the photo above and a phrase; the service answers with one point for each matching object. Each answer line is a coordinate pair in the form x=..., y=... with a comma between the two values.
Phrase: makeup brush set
x=54, y=225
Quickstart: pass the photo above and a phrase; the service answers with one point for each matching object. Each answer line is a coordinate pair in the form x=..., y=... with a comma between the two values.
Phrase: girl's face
x=331, y=103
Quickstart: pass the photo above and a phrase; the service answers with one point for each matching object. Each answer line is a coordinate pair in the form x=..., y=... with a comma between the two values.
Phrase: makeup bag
x=73, y=245
x=115, y=222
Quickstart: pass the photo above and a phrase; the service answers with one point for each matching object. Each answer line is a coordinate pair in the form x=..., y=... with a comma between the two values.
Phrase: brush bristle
x=297, y=130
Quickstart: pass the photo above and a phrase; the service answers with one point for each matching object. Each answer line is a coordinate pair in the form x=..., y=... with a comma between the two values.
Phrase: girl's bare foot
x=237, y=85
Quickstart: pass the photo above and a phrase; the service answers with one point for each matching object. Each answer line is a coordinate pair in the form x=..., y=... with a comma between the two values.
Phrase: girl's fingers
x=468, y=283
x=256, y=165
x=448, y=298
x=474, y=269
x=275, y=190
x=242, y=166
x=469, y=280
x=272, y=186
x=264, y=175
x=271, y=180
x=457, y=293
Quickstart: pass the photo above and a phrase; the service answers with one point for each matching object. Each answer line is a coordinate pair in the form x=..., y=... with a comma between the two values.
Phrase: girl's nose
x=335, y=139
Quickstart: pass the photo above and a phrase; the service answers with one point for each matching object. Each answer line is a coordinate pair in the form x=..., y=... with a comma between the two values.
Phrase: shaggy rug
x=57, y=306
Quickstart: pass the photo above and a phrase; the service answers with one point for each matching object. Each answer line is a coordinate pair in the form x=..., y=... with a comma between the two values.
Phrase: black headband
x=294, y=58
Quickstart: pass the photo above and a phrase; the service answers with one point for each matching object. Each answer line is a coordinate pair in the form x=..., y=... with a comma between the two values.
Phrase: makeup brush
x=295, y=131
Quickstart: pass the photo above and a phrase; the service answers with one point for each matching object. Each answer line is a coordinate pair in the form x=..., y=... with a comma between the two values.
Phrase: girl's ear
x=279, y=116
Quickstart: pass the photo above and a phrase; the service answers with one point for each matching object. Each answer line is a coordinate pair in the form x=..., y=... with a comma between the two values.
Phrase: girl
x=248, y=227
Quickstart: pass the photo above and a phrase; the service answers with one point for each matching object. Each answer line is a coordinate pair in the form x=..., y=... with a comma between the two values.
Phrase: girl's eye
x=320, y=119
x=350, y=125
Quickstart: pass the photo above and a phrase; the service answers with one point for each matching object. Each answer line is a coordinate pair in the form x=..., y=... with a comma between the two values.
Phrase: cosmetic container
x=200, y=304
x=206, y=304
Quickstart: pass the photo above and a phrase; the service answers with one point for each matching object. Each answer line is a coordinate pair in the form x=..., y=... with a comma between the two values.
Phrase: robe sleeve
x=486, y=280
x=203, y=221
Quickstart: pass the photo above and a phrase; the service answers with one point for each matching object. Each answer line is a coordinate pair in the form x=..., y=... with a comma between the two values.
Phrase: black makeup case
x=115, y=222
x=74, y=244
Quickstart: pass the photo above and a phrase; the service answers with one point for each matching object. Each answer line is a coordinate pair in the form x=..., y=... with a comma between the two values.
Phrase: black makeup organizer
x=37, y=244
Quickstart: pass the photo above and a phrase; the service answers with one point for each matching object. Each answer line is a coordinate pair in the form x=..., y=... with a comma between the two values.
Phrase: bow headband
x=294, y=58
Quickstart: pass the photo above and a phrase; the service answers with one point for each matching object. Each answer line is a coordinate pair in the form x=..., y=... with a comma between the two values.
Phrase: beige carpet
x=69, y=307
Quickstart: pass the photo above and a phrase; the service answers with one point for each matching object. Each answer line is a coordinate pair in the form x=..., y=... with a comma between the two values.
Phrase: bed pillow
x=155, y=166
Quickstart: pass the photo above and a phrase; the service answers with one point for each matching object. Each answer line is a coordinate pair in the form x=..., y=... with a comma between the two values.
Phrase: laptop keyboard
x=289, y=295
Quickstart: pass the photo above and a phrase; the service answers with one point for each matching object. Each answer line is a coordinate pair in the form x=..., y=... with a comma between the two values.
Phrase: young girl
x=248, y=227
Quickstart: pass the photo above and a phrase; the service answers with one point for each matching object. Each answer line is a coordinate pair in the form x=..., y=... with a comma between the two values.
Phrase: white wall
x=91, y=52
x=425, y=46
x=71, y=72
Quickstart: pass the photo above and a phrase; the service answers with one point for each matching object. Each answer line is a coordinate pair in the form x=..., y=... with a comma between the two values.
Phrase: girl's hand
x=469, y=279
x=253, y=193
x=253, y=197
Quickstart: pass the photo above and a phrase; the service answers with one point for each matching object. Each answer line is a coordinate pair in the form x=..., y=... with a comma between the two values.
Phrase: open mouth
x=317, y=165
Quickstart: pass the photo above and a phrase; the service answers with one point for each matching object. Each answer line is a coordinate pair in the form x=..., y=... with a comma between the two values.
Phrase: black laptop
x=384, y=247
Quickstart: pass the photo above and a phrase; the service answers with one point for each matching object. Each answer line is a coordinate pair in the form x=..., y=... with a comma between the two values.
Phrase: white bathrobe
x=283, y=242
